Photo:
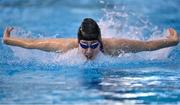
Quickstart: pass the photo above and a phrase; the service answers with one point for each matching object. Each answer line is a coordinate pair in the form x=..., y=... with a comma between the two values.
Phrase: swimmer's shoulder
x=70, y=43
x=111, y=45
x=64, y=44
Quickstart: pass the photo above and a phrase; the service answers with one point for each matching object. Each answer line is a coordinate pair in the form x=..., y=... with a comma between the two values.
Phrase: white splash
x=126, y=24
x=70, y=58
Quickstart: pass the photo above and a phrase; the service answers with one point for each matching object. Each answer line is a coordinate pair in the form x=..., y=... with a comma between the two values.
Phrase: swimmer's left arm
x=134, y=46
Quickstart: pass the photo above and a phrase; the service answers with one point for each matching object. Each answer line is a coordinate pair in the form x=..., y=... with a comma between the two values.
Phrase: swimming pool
x=37, y=77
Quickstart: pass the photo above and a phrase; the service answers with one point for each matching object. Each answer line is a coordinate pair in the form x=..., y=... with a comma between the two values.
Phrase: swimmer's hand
x=173, y=36
x=7, y=33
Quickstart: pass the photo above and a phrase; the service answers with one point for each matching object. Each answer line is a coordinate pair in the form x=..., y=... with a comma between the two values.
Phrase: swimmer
x=89, y=42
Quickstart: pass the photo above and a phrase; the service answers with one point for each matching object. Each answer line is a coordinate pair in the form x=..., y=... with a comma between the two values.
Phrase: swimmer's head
x=89, y=38
x=89, y=30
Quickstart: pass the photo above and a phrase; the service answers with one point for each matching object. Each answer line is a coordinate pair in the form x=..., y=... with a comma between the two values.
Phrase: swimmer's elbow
x=44, y=46
x=149, y=46
x=32, y=45
x=143, y=46
x=29, y=45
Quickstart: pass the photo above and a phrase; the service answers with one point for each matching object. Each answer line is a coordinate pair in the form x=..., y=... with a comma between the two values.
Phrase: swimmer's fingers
x=7, y=31
x=172, y=34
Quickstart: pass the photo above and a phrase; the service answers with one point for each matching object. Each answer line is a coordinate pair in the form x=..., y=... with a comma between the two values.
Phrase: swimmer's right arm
x=56, y=45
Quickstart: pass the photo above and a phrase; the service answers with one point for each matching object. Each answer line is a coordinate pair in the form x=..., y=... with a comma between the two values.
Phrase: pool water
x=38, y=77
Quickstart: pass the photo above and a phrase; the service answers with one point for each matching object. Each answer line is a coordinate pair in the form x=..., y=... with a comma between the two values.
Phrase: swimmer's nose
x=89, y=53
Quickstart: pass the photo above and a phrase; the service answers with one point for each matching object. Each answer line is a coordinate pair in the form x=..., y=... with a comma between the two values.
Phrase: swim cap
x=89, y=30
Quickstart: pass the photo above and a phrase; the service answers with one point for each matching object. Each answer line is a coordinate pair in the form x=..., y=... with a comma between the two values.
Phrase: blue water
x=37, y=77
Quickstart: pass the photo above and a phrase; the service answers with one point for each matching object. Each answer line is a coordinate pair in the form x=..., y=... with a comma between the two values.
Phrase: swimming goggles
x=92, y=45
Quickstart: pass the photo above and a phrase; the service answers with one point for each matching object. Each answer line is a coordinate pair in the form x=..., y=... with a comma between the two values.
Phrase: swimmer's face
x=89, y=48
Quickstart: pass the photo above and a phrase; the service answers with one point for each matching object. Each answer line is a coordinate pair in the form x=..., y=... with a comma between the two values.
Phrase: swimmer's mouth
x=89, y=57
